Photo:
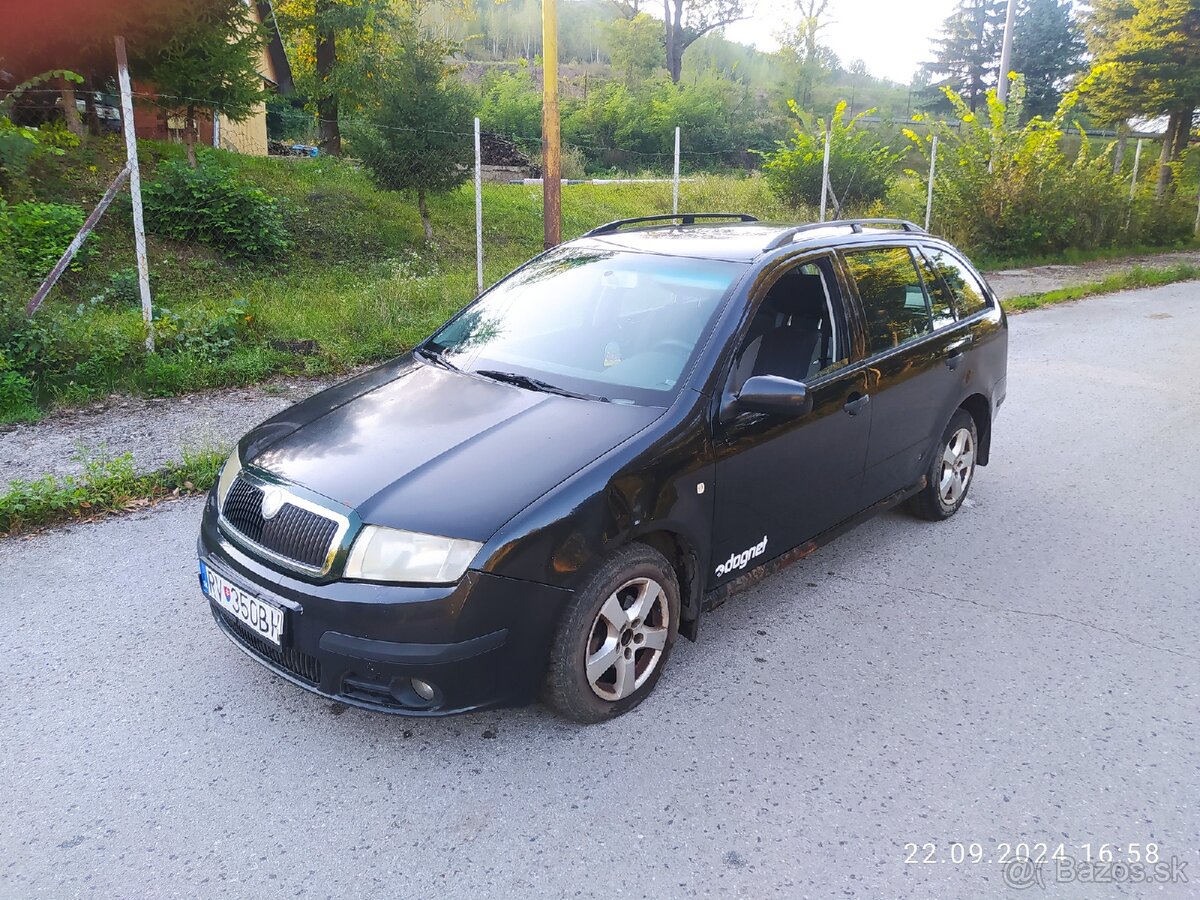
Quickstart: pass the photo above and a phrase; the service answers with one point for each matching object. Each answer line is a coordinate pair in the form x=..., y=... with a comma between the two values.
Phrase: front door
x=781, y=481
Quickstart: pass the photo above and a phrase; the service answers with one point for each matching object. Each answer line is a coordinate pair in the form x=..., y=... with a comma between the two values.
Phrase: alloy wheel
x=627, y=639
x=958, y=464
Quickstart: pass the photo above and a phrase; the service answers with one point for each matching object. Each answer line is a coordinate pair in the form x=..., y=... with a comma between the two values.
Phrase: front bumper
x=481, y=642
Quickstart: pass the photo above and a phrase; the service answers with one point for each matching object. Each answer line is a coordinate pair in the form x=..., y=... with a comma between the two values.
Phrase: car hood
x=414, y=446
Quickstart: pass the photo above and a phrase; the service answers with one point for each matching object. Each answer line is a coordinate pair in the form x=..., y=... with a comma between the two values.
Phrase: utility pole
x=1010, y=19
x=551, y=140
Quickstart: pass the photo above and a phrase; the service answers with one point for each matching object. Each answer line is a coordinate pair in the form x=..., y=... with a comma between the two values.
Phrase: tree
x=338, y=48
x=636, y=46
x=802, y=47
x=209, y=62
x=688, y=20
x=418, y=137
x=1146, y=62
x=968, y=53
x=1048, y=50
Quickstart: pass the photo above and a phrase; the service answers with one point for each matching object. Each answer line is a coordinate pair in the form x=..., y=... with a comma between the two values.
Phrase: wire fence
x=246, y=217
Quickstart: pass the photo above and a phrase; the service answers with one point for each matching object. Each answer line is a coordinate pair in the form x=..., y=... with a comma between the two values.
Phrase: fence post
x=675, y=189
x=1137, y=159
x=478, y=212
x=1198, y=212
x=825, y=169
x=135, y=190
x=929, y=194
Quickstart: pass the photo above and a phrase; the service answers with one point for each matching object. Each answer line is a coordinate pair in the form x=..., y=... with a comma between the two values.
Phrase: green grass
x=108, y=485
x=360, y=281
x=1074, y=257
x=360, y=284
x=1137, y=277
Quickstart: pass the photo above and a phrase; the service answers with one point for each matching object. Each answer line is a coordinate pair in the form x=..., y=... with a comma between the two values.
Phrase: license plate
x=264, y=618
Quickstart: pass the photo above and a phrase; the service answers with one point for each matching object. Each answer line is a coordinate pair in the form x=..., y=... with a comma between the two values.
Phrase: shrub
x=200, y=334
x=207, y=204
x=36, y=234
x=861, y=168
x=16, y=396
x=1012, y=191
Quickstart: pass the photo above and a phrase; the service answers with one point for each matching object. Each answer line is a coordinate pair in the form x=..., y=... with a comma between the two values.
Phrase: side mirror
x=774, y=395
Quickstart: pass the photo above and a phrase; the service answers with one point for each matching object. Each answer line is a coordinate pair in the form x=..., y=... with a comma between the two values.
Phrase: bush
x=36, y=234
x=16, y=396
x=1010, y=191
x=207, y=204
x=861, y=169
x=209, y=338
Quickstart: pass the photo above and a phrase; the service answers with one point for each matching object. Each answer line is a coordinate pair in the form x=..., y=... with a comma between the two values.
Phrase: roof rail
x=855, y=225
x=684, y=219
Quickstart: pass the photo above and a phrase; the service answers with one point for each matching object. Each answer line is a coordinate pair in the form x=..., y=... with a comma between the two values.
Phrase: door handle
x=857, y=403
x=954, y=353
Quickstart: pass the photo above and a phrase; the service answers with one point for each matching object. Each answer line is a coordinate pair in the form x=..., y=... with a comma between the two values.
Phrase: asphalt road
x=1029, y=672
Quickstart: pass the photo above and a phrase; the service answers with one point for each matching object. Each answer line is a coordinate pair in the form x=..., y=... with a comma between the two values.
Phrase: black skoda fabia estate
x=540, y=497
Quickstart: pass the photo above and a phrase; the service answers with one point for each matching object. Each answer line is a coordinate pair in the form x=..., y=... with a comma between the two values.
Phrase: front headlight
x=388, y=554
x=229, y=474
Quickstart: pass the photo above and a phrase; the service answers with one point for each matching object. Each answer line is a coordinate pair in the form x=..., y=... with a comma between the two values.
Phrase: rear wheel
x=950, y=470
x=614, y=639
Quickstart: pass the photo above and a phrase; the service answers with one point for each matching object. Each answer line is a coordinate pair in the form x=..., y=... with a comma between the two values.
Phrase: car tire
x=951, y=470
x=627, y=615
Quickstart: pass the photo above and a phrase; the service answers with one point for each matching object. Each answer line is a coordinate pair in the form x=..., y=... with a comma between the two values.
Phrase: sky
x=891, y=36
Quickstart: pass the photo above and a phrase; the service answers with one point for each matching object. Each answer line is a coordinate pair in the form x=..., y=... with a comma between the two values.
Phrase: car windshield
x=593, y=322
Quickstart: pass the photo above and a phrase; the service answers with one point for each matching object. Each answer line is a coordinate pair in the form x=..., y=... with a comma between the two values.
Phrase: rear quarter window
x=969, y=295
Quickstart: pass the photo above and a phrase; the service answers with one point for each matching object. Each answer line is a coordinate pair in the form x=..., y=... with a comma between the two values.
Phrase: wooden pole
x=551, y=140
x=135, y=190
x=77, y=242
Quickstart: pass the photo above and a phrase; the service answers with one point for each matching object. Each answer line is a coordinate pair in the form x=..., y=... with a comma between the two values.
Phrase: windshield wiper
x=437, y=357
x=535, y=384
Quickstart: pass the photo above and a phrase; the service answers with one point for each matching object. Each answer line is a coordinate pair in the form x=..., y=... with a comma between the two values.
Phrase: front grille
x=306, y=668
x=294, y=533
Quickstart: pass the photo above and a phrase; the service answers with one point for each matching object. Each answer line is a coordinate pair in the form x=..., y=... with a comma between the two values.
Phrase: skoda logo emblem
x=272, y=502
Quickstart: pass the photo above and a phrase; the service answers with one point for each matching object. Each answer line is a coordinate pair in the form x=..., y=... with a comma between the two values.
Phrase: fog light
x=423, y=689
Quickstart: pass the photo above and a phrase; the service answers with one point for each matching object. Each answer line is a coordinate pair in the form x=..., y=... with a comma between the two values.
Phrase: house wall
x=248, y=136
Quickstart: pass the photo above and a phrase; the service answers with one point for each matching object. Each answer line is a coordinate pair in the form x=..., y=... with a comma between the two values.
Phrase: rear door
x=914, y=347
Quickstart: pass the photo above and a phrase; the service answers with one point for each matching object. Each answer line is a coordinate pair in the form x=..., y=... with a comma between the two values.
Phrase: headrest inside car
x=798, y=294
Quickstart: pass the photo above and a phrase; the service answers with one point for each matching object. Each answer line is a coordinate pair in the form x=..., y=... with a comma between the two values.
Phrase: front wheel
x=614, y=638
x=950, y=470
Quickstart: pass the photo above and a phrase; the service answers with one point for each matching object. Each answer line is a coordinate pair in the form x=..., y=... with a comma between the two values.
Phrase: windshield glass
x=622, y=326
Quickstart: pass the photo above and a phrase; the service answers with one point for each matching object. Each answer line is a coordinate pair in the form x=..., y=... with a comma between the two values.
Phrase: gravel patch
x=154, y=430
x=1009, y=283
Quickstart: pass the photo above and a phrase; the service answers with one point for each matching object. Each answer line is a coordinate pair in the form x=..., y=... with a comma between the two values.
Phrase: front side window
x=797, y=331
x=893, y=296
x=622, y=326
x=969, y=295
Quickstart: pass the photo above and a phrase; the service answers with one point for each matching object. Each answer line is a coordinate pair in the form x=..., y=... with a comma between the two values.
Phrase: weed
x=1137, y=277
x=107, y=485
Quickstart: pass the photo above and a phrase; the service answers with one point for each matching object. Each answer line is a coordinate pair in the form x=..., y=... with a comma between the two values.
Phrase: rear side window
x=969, y=295
x=893, y=296
x=941, y=305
